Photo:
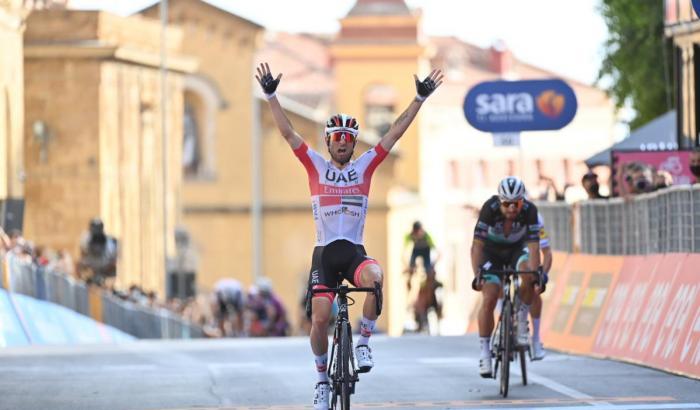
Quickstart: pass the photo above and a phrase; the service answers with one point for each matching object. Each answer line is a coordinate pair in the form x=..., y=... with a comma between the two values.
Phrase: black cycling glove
x=475, y=282
x=267, y=82
x=425, y=88
x=544, y=278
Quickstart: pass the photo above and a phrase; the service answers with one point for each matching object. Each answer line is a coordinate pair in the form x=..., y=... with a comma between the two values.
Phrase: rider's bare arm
x=546, y=259
x=534, y=248
x=477, y=255
x=269, y=86
x=423, y=90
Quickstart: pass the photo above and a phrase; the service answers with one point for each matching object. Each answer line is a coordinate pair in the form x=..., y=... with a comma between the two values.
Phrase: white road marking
x=649, y=406
x=515, y=369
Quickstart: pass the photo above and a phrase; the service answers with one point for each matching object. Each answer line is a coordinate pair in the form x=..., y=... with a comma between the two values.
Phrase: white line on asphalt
x=648, y=406
x=558, y=387
x=546, y=382
x=78, y=368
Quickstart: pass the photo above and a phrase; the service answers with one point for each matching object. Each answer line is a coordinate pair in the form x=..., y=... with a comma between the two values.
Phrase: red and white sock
x=366, y=329
x=322, y=367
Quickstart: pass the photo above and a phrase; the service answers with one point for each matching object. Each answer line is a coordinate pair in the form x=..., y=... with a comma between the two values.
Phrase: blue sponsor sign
x=512, y=106
x=696, y=6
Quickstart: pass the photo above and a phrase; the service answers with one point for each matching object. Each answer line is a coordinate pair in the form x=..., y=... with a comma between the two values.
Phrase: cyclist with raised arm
x=339, y=196
x=506, y=235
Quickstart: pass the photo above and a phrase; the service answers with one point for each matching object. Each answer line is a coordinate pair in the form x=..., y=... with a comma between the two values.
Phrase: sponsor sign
x=513, y=106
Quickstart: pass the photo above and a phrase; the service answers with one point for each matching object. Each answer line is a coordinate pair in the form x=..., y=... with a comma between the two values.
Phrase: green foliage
x=638, y=57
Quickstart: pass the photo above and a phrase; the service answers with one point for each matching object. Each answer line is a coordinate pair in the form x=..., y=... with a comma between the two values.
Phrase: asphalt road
x=412, y=372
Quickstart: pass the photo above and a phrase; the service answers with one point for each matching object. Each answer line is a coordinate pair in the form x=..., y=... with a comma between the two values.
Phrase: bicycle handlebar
x=343, y=290
x=511, y=271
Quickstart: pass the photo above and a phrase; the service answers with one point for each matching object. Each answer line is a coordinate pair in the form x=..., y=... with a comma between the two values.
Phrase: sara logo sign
x=511, y=106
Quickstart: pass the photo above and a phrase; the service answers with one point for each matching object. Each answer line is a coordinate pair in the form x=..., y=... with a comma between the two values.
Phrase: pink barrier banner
x=675, y=342
x=626, y=307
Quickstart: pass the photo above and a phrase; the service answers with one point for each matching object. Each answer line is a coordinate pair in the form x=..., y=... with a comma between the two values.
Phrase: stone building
x=93, y=84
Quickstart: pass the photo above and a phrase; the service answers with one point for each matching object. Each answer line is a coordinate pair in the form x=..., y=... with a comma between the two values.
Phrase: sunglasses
x=338, y=136
x=507, y=204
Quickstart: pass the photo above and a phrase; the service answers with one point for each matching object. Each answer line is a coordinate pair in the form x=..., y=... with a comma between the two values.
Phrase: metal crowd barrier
x=140, y=321
x=558, y=222
x=659, y=222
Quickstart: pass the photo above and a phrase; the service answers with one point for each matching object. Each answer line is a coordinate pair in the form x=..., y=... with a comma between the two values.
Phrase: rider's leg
x=538, y=352
x=368, y=273
x=527, y=295
x=536, y=313
x=320, y=314
x=489, y=293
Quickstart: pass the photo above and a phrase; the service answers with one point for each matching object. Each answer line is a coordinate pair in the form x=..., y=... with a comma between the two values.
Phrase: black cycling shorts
x=334, y=262
x=502, y=259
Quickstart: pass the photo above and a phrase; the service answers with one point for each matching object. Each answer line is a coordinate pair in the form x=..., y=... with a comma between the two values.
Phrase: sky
x=563, y=36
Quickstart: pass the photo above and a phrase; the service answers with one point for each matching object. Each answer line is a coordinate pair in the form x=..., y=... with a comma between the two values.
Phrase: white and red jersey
x=339, y=197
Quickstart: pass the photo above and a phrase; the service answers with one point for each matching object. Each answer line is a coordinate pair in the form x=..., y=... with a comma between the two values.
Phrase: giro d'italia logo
x=550, y=103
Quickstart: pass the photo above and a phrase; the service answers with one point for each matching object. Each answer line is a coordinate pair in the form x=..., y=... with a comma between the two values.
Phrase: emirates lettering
x=333, y=176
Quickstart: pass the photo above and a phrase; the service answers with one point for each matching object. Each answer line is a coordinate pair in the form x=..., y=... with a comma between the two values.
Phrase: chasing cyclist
x=506, y=235
x=339, y=196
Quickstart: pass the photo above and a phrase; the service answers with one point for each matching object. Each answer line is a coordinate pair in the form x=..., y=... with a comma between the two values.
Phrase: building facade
x=683, y=30
x=12, y=24
x=94, y=140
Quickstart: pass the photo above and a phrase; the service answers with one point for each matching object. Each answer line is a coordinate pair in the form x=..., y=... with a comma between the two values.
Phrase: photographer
x=98, y=254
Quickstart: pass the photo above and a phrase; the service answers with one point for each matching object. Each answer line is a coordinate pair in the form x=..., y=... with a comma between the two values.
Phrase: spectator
x=98, y=254
x=63, y=263
x=550, y=187
x=5, y=242
x=41, y=256
x=695, y=164
x=589, y=181
x=636, y=178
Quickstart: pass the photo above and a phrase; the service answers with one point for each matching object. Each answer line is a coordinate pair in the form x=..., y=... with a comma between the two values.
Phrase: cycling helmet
x=511, y=189
x=342, y=122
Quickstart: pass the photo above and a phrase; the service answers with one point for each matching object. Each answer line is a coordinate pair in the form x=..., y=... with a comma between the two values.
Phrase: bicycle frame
x=341, y=367
x=503, y=341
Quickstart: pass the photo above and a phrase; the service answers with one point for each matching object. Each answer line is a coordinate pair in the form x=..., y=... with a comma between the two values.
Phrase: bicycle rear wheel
x=523, y=365
x=506, y=339
x=346, y=376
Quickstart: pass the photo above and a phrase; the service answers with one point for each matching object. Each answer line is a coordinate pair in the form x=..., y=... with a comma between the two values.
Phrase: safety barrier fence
x=641, y=309
x=664, y=221
x=20, y=277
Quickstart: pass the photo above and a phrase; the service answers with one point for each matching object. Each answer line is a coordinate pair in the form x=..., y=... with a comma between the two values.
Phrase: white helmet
x=511, y=189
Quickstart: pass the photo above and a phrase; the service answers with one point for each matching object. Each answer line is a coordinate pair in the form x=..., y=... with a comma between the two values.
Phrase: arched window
x=380, y=104
x=191, y=146
x=202, y=101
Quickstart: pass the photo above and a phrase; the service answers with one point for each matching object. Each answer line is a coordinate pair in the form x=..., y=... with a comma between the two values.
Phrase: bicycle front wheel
x=523, y=365
x=346, y=376
x=506, y=340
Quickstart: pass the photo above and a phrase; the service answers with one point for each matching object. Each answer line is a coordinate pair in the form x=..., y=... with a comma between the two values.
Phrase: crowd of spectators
x=261, y=311
x=626, y=180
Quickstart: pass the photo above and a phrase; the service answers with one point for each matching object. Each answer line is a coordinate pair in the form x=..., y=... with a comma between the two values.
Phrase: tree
x=638, y=60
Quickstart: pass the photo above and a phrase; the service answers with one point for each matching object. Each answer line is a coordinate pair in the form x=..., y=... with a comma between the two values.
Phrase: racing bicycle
x=504, y=347
x=342, y=372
